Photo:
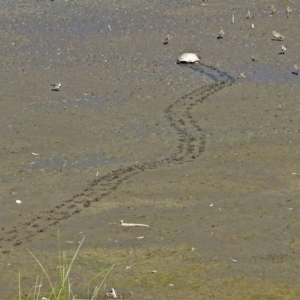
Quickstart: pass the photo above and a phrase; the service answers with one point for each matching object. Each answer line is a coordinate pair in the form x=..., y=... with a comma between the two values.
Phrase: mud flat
x=209, y=161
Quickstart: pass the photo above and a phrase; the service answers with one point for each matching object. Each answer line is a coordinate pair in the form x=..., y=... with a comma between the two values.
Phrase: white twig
x=133, y=224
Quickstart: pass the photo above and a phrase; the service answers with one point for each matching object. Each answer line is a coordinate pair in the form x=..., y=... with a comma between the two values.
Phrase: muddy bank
x=210, y=162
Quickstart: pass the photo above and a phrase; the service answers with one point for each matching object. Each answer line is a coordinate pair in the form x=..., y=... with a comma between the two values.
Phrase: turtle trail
x=191, y=143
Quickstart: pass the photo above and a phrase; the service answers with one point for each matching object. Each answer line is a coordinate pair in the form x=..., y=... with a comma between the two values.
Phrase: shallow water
x=266, y=73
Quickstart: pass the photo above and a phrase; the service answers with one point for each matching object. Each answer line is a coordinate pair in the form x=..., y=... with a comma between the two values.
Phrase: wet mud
x=208, y=160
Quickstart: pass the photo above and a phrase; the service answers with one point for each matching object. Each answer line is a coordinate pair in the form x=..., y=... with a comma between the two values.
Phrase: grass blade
x=45, y=272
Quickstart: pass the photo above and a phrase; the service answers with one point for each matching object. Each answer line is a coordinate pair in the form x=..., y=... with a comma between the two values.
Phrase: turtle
x=188, y=58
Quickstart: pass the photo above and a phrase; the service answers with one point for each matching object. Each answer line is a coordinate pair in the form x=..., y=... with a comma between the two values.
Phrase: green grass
x=61, y=288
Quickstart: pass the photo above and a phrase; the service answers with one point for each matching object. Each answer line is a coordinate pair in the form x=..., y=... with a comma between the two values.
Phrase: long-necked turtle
x=188, y=58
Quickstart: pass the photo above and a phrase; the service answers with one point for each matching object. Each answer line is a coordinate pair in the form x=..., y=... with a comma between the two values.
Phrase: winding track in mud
x=191, y=145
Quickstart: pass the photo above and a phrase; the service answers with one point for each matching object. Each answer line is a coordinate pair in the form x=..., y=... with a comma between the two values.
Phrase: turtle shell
x=188, y=58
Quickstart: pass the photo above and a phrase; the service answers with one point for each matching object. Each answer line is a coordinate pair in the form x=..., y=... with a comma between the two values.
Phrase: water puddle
x=266, y=73
x=259, y=73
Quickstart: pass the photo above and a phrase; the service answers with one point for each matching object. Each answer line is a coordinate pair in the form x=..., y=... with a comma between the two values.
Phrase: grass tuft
x=61, y=290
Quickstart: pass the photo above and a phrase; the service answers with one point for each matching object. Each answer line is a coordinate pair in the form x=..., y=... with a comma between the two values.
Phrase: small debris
x=34, y=153
x=113, y=294
x=249, y=15
x=167, y=39
x=272, y=9
x=221, y=34
x=232, y=19
x=140, y=237
x=242, y=76
x=252, y=26
x=278, y=36
x=283, y=49
x=133, y=224
x=211, y=205
x=18, y=201
x=288, y=11
x=234, y=260
x=154, y=271
x=55, y=86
